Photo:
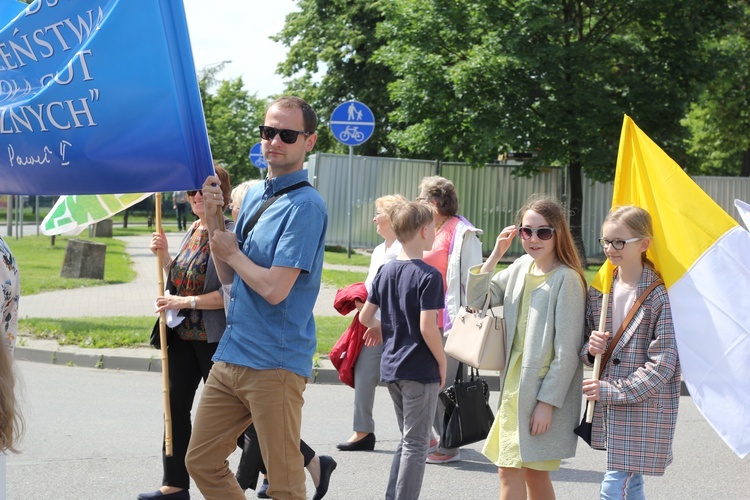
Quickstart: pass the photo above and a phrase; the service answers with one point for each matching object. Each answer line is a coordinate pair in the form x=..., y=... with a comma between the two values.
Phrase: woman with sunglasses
x=192, y=342
x=456, y=249
x=544, y=299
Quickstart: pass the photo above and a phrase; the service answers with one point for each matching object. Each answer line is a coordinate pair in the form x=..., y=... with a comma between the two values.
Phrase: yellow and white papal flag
x=704, y=257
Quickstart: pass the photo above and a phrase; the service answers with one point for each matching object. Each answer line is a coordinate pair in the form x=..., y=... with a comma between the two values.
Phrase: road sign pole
x=349, y=200
x=352, y=123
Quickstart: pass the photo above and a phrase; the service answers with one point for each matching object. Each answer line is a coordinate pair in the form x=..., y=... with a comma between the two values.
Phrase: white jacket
x=464, y=253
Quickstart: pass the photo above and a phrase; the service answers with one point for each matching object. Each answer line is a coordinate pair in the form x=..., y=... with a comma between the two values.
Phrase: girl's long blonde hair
x=554, y=213
x=11, y=421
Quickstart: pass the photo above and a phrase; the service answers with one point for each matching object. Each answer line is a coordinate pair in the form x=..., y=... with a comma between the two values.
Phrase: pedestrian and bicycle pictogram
x=352, y=123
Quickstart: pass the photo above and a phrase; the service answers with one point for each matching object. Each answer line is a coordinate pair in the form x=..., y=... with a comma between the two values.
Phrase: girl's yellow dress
x=501, y=445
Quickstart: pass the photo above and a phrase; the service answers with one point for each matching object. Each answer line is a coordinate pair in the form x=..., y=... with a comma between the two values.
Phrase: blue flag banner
x=9, y=9
x=100, y=96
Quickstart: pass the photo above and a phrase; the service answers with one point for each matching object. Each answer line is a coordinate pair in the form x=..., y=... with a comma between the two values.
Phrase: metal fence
x=489, y=197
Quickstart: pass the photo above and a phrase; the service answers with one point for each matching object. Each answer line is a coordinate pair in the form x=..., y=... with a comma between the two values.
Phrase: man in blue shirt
x=265, y=357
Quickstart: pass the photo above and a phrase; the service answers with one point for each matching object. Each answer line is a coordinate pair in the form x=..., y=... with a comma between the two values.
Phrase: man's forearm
x=272, y=284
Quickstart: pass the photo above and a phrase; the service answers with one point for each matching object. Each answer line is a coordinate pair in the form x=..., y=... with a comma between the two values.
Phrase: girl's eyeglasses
x=617, y=244
x=287, y=135
x=192, y=193
x=543, y=233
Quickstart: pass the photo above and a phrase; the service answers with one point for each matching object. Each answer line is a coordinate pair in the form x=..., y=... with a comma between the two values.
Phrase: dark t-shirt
x=402, y=289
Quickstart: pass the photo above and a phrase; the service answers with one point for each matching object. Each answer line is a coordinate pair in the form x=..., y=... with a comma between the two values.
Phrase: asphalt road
x=96, y=434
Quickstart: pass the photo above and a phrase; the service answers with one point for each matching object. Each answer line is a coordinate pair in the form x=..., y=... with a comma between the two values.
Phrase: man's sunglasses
x=543, y=233
x=192, y=193
x=287, y=135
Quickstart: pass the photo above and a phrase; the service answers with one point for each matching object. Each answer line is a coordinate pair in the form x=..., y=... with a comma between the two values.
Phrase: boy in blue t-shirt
x=409, y=294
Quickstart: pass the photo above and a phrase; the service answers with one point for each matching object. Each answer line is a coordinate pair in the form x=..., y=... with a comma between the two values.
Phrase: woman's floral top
x=188, y=275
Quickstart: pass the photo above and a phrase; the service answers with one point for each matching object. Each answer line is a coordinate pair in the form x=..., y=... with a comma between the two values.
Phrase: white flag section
x=711, y=312
x=744, y=210
x=72, y=214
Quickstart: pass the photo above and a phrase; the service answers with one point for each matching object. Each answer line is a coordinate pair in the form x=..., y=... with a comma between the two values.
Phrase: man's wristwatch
x=192, y=302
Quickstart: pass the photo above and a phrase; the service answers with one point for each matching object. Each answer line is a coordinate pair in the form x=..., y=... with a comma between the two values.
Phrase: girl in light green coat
x=544, y=299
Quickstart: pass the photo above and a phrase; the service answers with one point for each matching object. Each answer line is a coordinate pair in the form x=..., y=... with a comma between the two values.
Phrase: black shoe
x=327, y=466
x=367, y=443
x=158, y=495
x=263, y=490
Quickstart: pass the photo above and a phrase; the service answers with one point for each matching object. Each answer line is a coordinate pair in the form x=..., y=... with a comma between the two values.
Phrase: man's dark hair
x=291, y=102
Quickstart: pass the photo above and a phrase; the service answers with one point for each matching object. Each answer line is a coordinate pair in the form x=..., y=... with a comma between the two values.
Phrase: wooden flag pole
x=598, y=357
x=163, y=340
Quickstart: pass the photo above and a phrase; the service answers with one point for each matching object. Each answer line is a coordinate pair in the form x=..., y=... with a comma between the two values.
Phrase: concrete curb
x=323, y=372
x=96, y=360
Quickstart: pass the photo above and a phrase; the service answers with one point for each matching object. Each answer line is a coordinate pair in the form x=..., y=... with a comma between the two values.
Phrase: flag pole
x=598, y=357
x=163, y=341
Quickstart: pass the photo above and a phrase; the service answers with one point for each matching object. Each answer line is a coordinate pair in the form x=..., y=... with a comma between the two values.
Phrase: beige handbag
x=477, y=338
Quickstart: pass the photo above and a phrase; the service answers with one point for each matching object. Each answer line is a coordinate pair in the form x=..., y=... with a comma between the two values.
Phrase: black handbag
x=468, y=417
x=584, y=429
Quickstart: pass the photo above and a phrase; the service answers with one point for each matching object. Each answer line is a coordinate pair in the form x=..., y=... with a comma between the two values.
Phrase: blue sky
x=238, y=30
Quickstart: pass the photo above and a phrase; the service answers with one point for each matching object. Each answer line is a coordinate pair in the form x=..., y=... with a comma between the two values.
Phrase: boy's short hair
x=408, y=217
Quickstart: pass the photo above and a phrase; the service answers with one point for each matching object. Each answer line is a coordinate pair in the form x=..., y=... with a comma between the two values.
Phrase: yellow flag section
x=703, y=256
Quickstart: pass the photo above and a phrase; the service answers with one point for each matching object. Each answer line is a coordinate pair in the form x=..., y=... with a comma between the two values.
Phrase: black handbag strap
x=473, y=374
x=254, y=220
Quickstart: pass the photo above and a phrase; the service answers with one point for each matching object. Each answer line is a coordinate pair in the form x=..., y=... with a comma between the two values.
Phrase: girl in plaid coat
x=639, y=389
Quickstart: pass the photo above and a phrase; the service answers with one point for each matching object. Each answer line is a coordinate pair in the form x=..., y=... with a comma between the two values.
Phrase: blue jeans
x=619, y=485
x=414, y=403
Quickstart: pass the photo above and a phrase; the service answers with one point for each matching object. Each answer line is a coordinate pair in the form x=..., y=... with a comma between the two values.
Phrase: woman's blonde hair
x=554, y=213
x=239, y=191
x=637, y=220
x=387, y=202
x=11, y=421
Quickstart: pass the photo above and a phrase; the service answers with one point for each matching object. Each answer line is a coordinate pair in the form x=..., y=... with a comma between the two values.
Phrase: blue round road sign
x=257, y=158
x=352, y=123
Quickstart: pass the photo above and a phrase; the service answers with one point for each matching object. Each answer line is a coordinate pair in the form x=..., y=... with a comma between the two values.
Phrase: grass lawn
x=337, y=256
x=126, y=331
x=40, y=264
x=340, y=279
x=111, y=331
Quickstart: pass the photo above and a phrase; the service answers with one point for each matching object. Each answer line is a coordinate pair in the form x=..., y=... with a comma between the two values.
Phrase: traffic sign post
x=352, y=123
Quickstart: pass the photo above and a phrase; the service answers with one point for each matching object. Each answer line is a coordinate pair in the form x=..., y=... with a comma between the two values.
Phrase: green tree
x=475, y=78
x=719, y=122
x=232, y=119
x=330, y=60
